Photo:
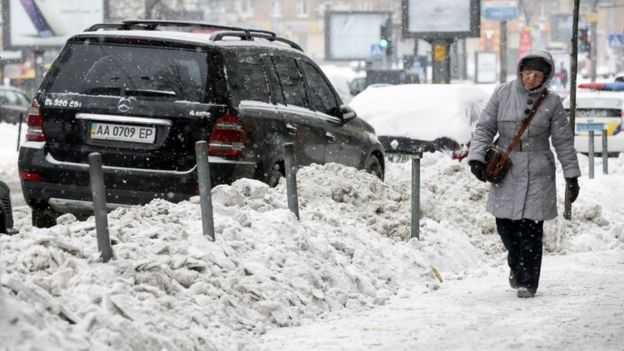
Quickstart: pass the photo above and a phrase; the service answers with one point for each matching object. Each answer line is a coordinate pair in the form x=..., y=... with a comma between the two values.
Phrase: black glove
x=573, y=188
x=478, y=169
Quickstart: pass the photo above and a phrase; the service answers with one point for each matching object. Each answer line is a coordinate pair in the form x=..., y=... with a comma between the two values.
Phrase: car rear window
x=110, y=69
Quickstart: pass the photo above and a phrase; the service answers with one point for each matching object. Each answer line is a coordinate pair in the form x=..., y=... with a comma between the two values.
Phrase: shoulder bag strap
x=523, y=128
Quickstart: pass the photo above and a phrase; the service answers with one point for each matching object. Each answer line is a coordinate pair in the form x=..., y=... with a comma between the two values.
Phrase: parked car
x=599, y=107
x=6, y=212
x=376, y=77
x=416, y=118
x=14, y=104
x=142, y=93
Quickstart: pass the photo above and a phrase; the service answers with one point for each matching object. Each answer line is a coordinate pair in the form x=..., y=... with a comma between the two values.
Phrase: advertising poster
x=439, y=16
x=47, y=23
x=353, y=35
x=441, y=19
x=486, y=67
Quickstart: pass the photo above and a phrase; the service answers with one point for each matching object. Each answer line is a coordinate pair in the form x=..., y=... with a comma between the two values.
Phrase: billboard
x=441, y=19
x=353, y=35
x=47, y=23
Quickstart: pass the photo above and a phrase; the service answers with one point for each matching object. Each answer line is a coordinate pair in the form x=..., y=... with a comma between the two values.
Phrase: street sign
x=500, y=11
x=439, y=53
x=376, y=52
x=616, y=40
x=586, y=127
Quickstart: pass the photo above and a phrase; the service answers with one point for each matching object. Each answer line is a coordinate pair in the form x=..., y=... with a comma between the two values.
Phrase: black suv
x=142, y=93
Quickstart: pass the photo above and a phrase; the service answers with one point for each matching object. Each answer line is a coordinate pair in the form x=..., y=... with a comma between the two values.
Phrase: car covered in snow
x=416, y=118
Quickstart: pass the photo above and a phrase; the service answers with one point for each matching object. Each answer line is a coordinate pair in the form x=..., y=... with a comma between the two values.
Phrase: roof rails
x=230, y=31
x=244, y=36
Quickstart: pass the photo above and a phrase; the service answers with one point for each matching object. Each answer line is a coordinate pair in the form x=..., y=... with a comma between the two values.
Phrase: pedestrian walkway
x=579, y=306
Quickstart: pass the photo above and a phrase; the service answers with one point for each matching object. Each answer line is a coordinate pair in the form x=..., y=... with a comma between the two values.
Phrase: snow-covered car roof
x=199, y=39
x=422, y=111
x=586, y=98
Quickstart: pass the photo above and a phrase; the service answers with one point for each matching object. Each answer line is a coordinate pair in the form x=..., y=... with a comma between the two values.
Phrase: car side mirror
x=347, y=113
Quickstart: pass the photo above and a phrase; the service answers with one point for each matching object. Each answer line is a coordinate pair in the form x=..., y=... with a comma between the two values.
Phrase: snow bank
x=168, y=287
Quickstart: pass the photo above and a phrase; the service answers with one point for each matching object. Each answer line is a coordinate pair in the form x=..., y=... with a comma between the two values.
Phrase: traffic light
x=385, y=38
x=584, y=44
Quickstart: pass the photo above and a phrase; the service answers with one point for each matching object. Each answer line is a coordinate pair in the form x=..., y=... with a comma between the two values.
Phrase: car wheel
x=3, y=229
x=43, y=217
x=274, y=174
x=373, y=166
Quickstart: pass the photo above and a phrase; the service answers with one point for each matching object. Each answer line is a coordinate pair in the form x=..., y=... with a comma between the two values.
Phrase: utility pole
x=567, y=212
x=440, y=61
x=593, y=49
x=503, y=51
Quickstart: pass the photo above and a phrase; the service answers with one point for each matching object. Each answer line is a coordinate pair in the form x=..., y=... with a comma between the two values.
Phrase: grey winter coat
x=528, y=189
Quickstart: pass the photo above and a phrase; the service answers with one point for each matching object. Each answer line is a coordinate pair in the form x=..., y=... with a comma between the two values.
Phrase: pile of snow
x=8, y=153
x=169, y=287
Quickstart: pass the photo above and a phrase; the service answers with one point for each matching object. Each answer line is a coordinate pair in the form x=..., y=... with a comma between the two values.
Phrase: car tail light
x=227, y=138
x=35, y=124
x=459, y=151
x=460, y=154
x=30, y=176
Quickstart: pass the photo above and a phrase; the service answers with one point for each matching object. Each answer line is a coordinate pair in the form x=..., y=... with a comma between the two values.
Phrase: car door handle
x=291, y=129
x=330, y=137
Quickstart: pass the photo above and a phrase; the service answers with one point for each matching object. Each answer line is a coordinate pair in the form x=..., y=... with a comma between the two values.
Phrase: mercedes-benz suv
x=141, y=93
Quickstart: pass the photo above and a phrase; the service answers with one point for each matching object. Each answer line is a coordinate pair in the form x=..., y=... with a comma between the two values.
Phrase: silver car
x=14, y=105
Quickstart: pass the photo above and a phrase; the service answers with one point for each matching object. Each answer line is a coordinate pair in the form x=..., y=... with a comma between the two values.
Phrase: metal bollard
x=19, y=130
x=591, y=154
x=605, y=153
x=99, y=205
x=415, y=233
x=291, y=178
x=205, y=196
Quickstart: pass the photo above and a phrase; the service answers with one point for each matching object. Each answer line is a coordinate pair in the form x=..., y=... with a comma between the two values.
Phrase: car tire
x=3, y=228
x=373, y=166
x=43, y=217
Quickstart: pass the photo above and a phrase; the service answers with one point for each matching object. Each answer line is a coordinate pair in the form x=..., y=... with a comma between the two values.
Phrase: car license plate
x=585, y=127
x=120, y=132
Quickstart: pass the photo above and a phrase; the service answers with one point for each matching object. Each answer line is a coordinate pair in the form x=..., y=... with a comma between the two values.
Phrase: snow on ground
x=350, y=256
x=579, y=307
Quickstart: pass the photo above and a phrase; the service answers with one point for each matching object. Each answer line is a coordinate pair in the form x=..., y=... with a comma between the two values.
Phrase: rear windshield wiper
x=102, y=91
x=150, y=92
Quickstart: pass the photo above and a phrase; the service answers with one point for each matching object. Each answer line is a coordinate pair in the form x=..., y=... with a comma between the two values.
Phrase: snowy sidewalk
x=579, y=306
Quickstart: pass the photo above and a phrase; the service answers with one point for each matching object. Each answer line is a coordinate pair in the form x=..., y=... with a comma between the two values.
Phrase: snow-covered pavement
x=578, y=307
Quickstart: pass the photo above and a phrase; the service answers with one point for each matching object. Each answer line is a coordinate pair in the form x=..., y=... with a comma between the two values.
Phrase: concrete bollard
x=291, y=178
x=99, y=205
x=205, y=195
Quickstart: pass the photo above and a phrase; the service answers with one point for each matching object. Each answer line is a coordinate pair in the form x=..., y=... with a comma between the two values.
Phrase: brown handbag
x=497, y=161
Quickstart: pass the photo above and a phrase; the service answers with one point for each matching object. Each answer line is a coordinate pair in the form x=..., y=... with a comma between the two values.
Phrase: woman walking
x=526, y=197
